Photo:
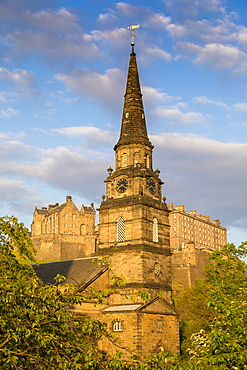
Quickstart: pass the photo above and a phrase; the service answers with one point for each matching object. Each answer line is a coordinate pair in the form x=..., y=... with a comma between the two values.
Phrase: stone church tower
x=133, y=217
x=133, y=245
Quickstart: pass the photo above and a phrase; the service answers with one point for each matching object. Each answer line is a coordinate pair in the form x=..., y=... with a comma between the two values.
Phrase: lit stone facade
x=61, y=232
x=188, y=226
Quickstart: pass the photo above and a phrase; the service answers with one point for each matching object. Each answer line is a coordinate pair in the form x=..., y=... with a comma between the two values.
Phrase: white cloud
x=85, y=170
x=175, y=115
x=22, y=14
x=241, y=106
x=110, y=86
x=216, y=55
x=222, y=56
x=116, y=36
x=195, y=8
x=8, y=113
x=205, y=100
x=106, y=18
x=158, y=53
x=61, y=20
x=156, y=95
x=158, y=20
x=18, y=77
x=14, y=190
x=206, y=175
x=94, y=135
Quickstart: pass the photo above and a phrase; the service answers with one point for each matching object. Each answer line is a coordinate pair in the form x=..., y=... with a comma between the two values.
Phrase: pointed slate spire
x=133, y=129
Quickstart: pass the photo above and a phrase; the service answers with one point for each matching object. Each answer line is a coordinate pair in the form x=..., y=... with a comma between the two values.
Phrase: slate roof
x=133, y=128
x=80, y=272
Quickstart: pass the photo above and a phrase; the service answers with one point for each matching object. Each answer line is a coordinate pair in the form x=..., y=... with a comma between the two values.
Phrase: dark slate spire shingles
x=133, y=127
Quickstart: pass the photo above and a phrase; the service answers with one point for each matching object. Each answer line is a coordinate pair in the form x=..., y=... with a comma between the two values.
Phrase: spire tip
x=132, y=28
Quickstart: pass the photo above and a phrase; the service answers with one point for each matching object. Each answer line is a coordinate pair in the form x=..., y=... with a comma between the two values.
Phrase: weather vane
x=133, y=28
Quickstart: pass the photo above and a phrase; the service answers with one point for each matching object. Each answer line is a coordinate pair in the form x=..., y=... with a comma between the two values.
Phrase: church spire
x=133, y=128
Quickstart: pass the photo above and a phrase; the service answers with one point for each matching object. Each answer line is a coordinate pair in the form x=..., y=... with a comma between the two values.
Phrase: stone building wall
x=188, y=226
x=188, y=265
x=61, y=232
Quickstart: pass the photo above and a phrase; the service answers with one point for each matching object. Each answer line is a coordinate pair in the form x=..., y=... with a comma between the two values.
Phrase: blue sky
x=63, y=73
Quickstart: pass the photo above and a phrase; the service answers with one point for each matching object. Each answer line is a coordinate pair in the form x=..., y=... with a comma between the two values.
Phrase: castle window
x=66, y=216
x=73, y=226
x=65, y=226
x=73, y=217
x=117, y=326
x=120, y=229
x=124, y=160
x=127, y=115
x=155, y=230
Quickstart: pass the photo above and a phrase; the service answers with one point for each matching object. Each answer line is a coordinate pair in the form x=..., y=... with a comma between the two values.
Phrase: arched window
x=155, y=230
x=124, y=160
x=147, y=161
x=120, y=229
x=136, y=157
x=117, y=326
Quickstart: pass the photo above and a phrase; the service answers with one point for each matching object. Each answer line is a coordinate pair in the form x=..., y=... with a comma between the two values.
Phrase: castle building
x=188, y=226
x=61, y=232
x=133, y=242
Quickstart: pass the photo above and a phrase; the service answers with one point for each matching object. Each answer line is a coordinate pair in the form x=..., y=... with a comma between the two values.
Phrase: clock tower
x=133, y=216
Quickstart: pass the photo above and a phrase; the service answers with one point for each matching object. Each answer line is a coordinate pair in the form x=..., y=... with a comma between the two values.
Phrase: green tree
x=36, y=329
x=220, y=341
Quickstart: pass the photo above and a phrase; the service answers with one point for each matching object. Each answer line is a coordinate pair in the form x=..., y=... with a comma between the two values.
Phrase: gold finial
x=132, y=28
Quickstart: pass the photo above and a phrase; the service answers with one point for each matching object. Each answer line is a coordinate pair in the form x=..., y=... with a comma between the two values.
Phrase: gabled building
x=62, y=231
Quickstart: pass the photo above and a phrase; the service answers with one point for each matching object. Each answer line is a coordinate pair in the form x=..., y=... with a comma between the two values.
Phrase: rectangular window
x=73, y=217
x=65, y=226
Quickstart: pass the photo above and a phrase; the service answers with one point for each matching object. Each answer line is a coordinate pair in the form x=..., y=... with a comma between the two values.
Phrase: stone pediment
x=155, y=306
x=158, y=306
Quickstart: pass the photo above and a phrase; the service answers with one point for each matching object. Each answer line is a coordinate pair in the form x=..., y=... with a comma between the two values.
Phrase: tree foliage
x=36, y=329
x=220, y=341
x=38, y=332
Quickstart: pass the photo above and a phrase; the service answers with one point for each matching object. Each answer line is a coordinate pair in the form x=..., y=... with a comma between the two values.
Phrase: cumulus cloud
x=110, y=86
x=52, y=46
x=85, y=170
x=18, y=77
x=206, y=101
x=216, y=55
x=23, y=14
x=8, y=113
x=206, y=175
x=156, y=95
x=93, y=135
x=241, y=106
x=194, y=8
x=14, y=190
x=175, y=115
x=156, y=52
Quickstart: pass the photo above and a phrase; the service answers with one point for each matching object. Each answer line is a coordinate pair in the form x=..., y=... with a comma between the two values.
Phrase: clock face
x=151, y=186
x=157, y=268
x=122, y=185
